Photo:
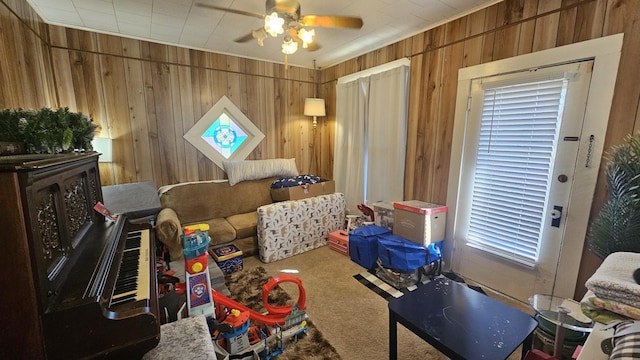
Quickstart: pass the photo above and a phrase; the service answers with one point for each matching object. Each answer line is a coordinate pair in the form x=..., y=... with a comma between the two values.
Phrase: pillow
x=624, y=343
x=242, y=170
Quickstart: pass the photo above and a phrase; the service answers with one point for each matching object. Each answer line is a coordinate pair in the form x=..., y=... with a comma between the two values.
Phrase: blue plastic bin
x=400, y=254
x=363, y=245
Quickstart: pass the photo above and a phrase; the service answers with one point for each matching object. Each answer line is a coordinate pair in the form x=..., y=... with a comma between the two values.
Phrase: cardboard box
x=339, y=242
x=383, y=214
x=303, y=191
x=228, y=258
x=421, y=222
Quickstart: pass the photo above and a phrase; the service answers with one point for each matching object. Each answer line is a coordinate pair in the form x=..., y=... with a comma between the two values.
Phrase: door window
x=518, y=132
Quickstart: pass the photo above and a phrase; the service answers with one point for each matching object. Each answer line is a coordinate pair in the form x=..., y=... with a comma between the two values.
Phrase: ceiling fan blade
x=234, y=11
x=331, y=21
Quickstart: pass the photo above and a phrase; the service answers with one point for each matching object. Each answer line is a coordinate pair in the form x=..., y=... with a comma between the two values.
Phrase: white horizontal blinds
x=516, y=148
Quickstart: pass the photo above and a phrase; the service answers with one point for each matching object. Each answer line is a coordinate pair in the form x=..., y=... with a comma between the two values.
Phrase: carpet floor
x=350, y=316
x=246, y=288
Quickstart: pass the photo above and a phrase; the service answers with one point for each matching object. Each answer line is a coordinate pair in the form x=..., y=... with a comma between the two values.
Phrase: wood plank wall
x=147, y=95
x=26, y=73
x=506, y=29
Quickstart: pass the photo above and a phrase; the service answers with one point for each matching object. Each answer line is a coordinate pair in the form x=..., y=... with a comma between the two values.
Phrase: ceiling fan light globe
x=274, y=24
x=307, y=36
x=289, y=46
x=260, y=35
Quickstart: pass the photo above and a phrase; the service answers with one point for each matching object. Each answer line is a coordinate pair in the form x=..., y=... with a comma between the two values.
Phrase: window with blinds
x=519, y=128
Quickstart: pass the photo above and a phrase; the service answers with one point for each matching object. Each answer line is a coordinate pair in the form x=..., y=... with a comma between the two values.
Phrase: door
x=522, y=141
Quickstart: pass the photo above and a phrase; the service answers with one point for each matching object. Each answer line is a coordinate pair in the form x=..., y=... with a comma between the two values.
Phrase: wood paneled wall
x=506, y=29
x=147, y=95
x=26, y=74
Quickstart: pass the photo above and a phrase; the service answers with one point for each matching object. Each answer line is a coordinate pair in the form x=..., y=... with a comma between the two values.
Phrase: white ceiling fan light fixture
x=307, y=37
x=284, y=16
x=260, y=35
x=289, y=46
x=274, y=24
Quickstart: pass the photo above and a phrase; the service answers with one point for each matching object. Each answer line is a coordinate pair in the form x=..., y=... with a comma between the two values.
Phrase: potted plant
x=617, y=225
x=47, y=131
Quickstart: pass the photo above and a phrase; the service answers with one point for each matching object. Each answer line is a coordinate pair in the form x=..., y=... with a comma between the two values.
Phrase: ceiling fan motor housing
x=291, y=8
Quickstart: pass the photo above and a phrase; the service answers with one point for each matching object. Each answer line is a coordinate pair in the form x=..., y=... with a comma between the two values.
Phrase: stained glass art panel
x=224, y=133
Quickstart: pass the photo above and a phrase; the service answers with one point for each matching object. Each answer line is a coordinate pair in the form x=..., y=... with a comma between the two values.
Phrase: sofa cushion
x=244, y=224
x=248, y=245
x=220, y=231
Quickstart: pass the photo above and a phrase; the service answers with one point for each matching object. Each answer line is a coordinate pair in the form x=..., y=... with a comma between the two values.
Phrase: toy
x=266, y=340
x=195, y=240
x=367, y=211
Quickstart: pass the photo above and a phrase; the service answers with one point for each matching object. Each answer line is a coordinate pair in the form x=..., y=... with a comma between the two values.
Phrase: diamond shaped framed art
x=224, y=133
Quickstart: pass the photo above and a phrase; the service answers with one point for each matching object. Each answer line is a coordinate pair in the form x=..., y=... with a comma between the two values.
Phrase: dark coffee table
x=460, y=322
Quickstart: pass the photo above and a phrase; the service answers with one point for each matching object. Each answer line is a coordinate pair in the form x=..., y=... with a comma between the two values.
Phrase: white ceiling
x=182, y=23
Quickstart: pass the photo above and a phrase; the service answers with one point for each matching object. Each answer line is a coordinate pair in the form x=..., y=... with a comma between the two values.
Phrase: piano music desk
x=138, y=200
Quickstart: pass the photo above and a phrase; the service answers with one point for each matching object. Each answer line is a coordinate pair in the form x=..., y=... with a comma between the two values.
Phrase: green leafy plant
x=46, y=130
x=617, y=225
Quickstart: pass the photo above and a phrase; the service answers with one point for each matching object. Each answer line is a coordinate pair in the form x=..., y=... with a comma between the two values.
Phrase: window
x=224, y=133
x=518, y=131
x=370, y=146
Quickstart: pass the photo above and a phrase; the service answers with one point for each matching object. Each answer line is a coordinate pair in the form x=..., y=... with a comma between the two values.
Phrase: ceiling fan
x=284, y=17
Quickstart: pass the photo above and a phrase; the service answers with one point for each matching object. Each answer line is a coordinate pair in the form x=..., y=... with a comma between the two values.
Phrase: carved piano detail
x=62, y=262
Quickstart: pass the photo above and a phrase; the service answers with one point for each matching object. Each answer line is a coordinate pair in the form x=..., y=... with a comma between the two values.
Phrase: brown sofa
x=229, y=210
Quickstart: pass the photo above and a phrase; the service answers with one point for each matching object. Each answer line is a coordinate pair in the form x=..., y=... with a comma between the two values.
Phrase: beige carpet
x=351, y=317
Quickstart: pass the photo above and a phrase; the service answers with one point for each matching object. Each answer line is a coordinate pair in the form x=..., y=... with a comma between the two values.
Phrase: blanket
x=592, y=300
x=285, y=182
x=614, y=279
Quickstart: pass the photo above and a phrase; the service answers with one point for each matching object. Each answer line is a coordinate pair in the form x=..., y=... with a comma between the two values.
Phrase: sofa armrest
x=168, y=229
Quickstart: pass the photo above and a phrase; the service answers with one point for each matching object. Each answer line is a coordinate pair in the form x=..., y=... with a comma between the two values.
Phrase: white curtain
x=348, y=155
x=371, y=126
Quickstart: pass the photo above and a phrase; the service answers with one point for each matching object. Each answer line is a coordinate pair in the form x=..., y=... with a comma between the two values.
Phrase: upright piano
x=74, y=284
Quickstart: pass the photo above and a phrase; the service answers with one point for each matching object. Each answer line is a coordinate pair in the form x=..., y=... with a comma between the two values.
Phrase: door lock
x=556, y=216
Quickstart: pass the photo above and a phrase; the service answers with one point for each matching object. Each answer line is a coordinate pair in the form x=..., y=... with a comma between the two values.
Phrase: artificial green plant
x=617, y=226
x=47, y=130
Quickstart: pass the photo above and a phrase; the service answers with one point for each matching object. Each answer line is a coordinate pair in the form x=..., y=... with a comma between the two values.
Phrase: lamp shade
x=314, y=107
x=104, y=147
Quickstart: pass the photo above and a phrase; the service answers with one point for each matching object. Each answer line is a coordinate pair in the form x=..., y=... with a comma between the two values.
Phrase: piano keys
x=75, y=285
x=101, y=323
x=133, y=278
